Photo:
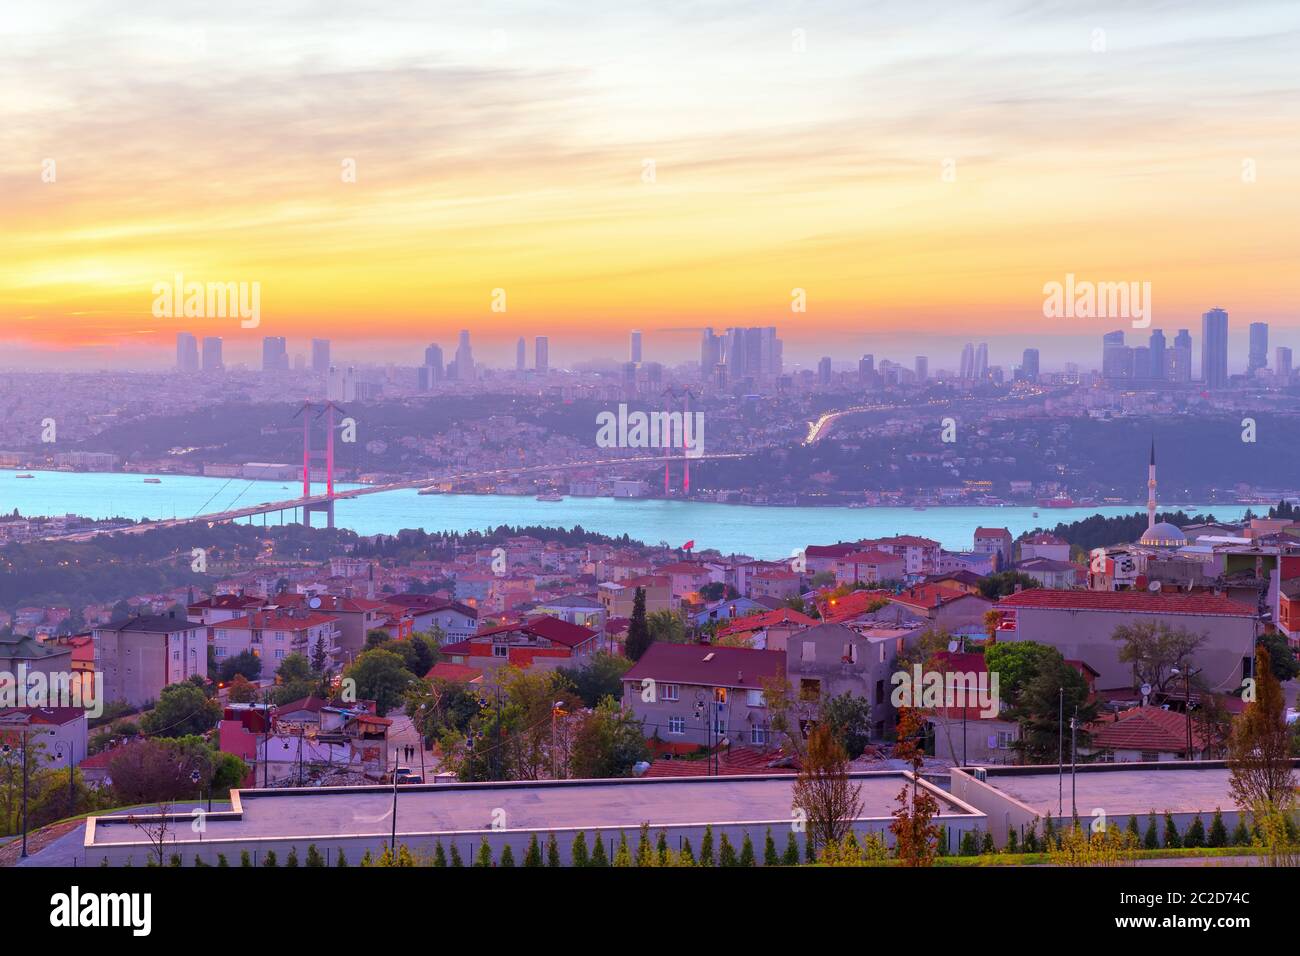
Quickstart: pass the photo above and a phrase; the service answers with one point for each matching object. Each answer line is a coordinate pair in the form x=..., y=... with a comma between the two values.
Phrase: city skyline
x=932, y=204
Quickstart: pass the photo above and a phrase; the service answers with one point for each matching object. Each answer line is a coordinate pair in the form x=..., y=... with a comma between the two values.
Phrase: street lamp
x=1187, y=675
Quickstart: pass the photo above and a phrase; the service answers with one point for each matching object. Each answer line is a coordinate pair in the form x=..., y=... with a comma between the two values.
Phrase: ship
x=153, y=481
x=1060, y=501
x=551, y=496
x=24, y=476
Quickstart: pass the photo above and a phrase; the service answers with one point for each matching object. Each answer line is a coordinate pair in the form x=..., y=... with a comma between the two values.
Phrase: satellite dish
x=314, y=603
x=1146, y=690
x=1153, y=586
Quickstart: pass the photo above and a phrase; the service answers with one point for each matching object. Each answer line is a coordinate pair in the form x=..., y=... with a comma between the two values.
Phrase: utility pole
x=1060, y=755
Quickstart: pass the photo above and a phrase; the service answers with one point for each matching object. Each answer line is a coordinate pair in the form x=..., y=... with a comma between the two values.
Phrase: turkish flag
x=688, y=545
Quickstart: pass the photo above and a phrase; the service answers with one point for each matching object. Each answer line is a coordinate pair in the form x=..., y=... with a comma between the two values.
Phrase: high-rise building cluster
x=1159, y=362
x=741, y=354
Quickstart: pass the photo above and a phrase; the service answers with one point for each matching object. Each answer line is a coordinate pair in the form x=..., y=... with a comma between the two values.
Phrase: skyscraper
x=967, y=362
x=465, y=371
x=1214, y=348
x=1116, y=357
x=541, y=354
x=320, y=356
x=212, y=361
x=1029, y=365
x=922, y=368
x=1180, y=358
x=521, y=355
x=1258, y=355
x=710, y=355
x=1282, y=365
x=636, y=346
x=981, y=362
x=275, y=354
x=1159, y=370
x=866, y=369
x=824, y=371
x=187, y=352
x=431, y=372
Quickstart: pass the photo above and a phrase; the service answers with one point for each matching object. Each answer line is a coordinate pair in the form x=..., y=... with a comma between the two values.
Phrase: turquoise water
x=763, y=532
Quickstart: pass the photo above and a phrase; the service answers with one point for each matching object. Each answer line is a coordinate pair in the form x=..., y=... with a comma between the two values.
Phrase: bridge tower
x=312, y=456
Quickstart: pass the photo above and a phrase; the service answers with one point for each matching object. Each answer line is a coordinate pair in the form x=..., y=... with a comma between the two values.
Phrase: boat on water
x=153, y=481
x=24, y=476
x=551, y=496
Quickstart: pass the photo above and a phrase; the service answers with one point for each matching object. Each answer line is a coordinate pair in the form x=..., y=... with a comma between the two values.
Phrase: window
x=1150, y=756
x=221, y=634
x=677, y=725
x=279, y=653
x=219, y=652
x=809, y=652
x=1004, y=740
x=850, y=653
x=754, y=698
x=758, y=735
x=671, y=692
x=500, y=650
x=176, y=655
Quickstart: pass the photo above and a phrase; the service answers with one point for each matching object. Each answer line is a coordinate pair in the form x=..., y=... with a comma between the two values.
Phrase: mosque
x=1158, y=534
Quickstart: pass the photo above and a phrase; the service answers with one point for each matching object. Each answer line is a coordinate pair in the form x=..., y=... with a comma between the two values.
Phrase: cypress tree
x=706, y=847
x=1171, y=832
x=598, y=855
x=533, y=855
x=292, y=858
x=687, y=855
x=1151, y=840
x=1195, y=836
x=245, y=859
x=221, y=860
x=439, y=855
x=726, y=852
x=1218, y=833
x=579, y=849
x=770, y=857
x=507, y=856
x=342, y=860
x=623, y=855
x=644, y=849
x=270, y=859
x=552, y=851
x=1241, y=833
x=455, y=856
x=484, y=857
x=791, y=851
x=313, y=856
x=638, y=630
x=747, y=851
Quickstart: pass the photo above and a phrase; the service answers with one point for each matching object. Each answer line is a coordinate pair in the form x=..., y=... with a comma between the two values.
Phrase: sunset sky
x=504, y=145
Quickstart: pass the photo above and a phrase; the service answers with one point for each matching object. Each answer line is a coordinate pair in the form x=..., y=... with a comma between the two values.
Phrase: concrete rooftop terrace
x=1129, y=789
x=440, y=809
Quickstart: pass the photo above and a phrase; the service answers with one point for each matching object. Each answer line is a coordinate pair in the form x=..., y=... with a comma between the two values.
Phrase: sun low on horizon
x=391, y=174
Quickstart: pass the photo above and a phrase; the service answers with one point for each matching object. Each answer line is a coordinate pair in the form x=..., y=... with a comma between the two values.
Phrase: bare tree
x=1155, y=649
x=823, y=790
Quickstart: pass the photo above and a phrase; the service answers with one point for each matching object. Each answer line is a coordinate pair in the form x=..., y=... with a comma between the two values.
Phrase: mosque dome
x=1163, y=535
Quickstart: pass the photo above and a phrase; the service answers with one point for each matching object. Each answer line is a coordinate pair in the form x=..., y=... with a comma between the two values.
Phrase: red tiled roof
x=992, y=533
x=546, y=626
x=730, y=763
x=873, y=556
x=837, y=610
x=53, y=716
x=1146, y=728
x=756, y=622
x=932, y=595
x=276, y=621
x=829, y=550
x=455, y=673
x=1141, y=602
x=706, y=664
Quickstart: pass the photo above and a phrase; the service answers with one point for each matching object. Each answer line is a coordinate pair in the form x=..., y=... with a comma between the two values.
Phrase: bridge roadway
x=267, y=507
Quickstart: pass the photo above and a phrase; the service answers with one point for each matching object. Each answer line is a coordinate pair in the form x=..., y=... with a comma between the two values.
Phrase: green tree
x=578, y=852
x=726, y=852
x=849, y=718
x=380, y=676
x=484, y=858
x=1281, y=658
x=1058, y=690
x=747, y=851
x=638, y=630
x=598, y=856
x=600, y=677
x=609, y=742
x=552, y=851
x=1017, y=663
x=533, y=855
x=1151, y=840
x=770, y=856
x=1218, y=832
x=246, y=664
x=182, y=710
x=706, y=847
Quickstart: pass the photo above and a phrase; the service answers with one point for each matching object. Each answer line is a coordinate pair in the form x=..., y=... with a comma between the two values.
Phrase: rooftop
x=1139, y=602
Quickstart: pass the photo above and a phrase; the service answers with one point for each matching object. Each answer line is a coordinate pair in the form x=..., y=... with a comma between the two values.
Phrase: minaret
x=1151, y=488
